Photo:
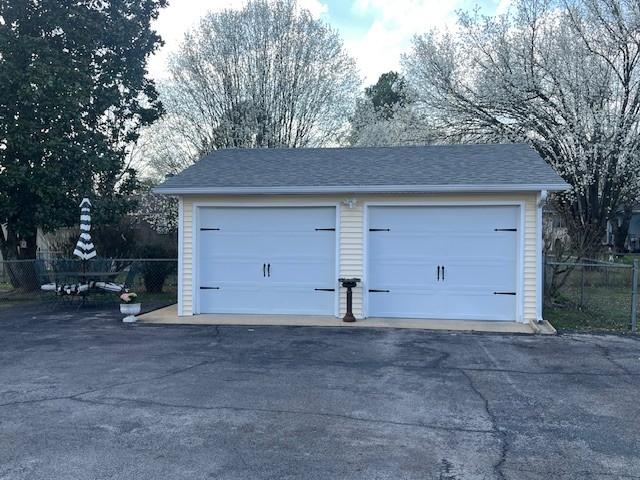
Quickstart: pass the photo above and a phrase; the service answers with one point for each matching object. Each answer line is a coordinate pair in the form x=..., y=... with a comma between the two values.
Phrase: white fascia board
x=359, y=189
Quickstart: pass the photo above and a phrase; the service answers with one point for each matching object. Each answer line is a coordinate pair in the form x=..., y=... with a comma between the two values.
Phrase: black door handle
x=264, y=269
x=269, y=270
x=443, y=273
x=438, y=272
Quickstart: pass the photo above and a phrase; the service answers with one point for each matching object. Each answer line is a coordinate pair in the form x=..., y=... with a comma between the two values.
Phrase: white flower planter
x=130, y=310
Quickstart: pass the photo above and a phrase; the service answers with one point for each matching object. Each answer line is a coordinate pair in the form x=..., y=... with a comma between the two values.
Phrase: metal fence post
x=634, y=297
x=544, y=283
x=581, y=287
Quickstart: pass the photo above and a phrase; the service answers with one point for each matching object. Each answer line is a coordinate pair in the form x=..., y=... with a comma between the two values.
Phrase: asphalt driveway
x=84, y=397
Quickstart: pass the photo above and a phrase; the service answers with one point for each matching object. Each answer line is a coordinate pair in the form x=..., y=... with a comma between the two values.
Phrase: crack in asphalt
x=434, y=365
x=437, y=365
x=106, y=387
x=606, y=353
x=127, y=402
x=504, y=441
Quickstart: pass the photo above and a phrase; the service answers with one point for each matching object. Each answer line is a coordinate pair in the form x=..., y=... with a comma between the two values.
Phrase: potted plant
x=129, y=306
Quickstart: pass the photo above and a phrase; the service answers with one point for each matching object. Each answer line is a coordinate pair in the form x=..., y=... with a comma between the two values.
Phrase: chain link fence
x=591, y=295
x=585, y=295
x=97, y=280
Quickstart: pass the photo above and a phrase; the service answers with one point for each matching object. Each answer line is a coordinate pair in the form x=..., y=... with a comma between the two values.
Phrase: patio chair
x=134, y=269
x=41, y=272
x=112, y=286
x=105, y=265
x=50, y=281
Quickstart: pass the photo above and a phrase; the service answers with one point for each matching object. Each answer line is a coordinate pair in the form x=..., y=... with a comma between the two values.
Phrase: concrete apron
x=169, y=315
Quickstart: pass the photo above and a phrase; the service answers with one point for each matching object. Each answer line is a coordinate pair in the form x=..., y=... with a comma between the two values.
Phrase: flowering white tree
x=404, y=126
x=159, y=211
x=268, y=75
x=563, y=76
x=386, y=115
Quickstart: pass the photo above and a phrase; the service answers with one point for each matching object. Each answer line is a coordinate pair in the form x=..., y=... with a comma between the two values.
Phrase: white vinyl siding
x=351, y=229
x=351, y=258
x=530, y=259
x=187, y=257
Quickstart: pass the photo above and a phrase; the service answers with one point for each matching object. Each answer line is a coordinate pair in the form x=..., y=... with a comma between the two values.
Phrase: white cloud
x=316, y=7
x=174, y=21
x=389, y=36
x=182, y=15
x=377, y=51
x=503, y=7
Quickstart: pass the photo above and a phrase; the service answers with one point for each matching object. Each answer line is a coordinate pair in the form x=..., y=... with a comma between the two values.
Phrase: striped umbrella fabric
x=84, y=248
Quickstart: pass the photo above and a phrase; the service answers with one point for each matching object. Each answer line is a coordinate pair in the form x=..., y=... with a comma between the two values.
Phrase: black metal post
x=634, y=297
x=349, y=283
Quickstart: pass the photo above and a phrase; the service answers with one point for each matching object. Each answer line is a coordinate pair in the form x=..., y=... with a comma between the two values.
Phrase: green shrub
x=155, y=273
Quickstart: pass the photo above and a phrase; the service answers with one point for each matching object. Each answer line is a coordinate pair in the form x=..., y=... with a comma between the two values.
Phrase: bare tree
x=269, y=75
x=561, y=75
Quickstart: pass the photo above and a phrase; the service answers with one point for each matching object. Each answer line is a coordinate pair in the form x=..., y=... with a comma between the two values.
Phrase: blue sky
x=376, y=32
x=354, y=18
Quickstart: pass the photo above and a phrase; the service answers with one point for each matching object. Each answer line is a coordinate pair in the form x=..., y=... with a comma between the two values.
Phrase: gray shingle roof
x=376, y=169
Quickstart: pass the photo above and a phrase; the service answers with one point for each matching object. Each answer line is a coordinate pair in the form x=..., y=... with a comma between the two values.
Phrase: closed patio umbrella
x=84, y=248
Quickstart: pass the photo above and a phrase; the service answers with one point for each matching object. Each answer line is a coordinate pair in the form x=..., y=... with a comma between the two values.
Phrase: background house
x=627, y=226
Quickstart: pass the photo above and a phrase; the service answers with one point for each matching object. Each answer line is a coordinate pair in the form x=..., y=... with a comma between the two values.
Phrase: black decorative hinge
x=209, y=288
x=209, y=229
x=505, y=229
x=379, y=230
x=504, y=293
x=325, y=289
x=373, y=290
x=325, y=229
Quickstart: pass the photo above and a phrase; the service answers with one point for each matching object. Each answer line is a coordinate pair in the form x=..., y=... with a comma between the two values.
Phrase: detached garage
x=433, y=232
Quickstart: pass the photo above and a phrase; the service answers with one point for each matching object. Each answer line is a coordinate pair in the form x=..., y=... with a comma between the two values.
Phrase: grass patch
x=563, y=318
x=596, y=308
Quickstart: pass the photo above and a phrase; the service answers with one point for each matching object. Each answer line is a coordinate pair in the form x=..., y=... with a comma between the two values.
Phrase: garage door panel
x=301, y=299
x=300, y=250
x=436, y=305
x=419, y=273
x=478, y=304
x=277, y=220
x=225, y=256
x=411, y=245
x=233, y=297
x=402, y=301
x=301, y=259
x=492, y=273
x=478, y=256
x=303, y=270
x=227, y=269
x=492, y=244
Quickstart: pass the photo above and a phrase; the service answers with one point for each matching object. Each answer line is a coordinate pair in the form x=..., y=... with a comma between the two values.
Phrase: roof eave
x=297, y=190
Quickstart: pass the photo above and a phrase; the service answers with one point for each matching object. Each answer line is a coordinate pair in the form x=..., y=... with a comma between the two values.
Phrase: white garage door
x=267, y=260
x=443, y=262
